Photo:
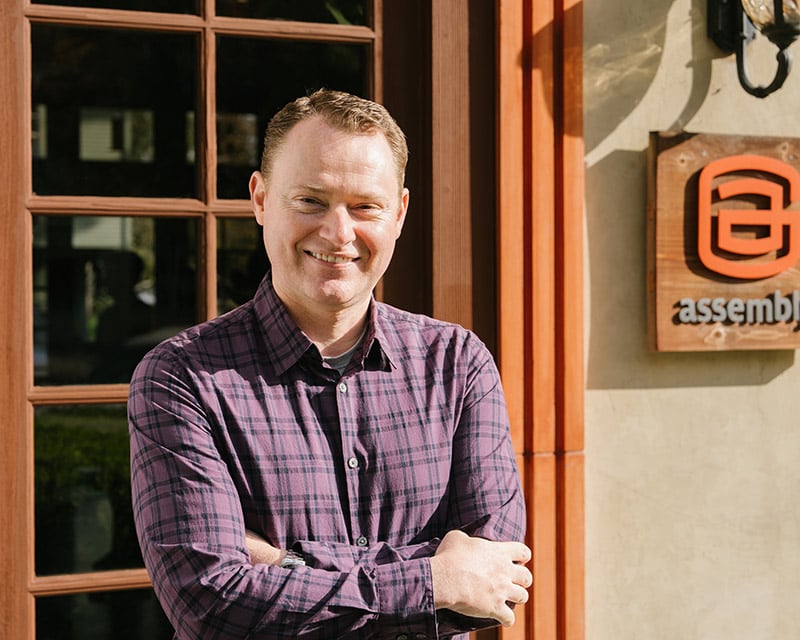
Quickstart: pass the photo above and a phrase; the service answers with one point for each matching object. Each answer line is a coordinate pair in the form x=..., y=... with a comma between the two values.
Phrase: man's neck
x=335, y=343
x=335, y=332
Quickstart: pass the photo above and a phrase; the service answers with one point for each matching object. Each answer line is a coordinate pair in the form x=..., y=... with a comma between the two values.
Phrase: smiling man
x=317, y=464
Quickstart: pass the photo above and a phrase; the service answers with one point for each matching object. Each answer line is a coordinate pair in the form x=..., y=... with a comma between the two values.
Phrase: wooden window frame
x=18, y=395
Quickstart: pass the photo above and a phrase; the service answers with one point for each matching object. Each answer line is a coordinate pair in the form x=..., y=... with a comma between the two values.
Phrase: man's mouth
x=331, y=259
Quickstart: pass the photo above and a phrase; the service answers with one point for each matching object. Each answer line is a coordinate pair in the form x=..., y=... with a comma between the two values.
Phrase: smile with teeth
x=331, y=259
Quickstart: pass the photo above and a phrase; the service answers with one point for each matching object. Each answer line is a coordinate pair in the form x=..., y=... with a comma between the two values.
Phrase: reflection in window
x=289, y=70
x=106, y=290
x=110, y=111
x=330, y=11
x=238, y=139
x=39, y=131
x=241, y=261
x=84, y=519
x=113, y=135
x=120, y=615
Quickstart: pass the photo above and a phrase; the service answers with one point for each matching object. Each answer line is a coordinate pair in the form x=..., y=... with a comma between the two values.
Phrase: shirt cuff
x=405, y=593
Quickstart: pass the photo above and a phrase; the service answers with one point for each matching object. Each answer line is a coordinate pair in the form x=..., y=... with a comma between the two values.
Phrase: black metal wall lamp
x=733, y=23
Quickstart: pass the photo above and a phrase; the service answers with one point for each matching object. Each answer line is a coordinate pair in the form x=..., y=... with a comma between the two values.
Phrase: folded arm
x=192, y=533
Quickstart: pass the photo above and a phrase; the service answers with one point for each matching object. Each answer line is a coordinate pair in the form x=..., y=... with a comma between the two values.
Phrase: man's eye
x=309, y=201
x=368, y=208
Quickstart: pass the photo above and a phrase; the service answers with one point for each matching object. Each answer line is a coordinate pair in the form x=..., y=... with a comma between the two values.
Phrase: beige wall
x=693, y=460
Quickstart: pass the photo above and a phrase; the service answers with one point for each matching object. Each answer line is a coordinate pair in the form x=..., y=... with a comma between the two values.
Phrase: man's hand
x=261, y=551
x=480, y=578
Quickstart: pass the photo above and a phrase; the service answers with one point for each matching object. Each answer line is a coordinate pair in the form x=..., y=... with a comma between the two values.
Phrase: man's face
x=331, y=214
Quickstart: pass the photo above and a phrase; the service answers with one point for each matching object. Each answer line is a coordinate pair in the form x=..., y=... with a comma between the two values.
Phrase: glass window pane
x=118, y=615
x=106, y=290
x=330, y=11
x=84, y=518
x=241, y=261
x=164, y=6
x=110, y=112
x=255, y=78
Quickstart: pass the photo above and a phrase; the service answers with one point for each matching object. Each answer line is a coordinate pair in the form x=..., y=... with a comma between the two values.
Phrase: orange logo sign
x=748, y=243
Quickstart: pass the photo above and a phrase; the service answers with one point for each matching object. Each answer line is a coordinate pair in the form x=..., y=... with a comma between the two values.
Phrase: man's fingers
x=519, y=552
x=505, y=616
x=522, y=576
x=519, y=595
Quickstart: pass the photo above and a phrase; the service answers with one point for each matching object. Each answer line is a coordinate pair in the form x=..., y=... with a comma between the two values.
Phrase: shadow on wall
x=618, y=73
x=622, y=54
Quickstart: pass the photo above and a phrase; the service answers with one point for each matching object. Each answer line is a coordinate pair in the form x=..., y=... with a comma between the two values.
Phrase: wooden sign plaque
x=723, y=242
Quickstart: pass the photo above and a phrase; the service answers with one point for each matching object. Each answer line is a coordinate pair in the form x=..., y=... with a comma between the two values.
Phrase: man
x=315, y=463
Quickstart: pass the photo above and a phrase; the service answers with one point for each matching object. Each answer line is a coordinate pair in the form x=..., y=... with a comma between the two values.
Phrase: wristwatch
x=292, y=560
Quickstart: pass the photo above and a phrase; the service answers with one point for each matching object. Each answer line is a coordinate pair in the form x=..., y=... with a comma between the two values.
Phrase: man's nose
x=338, y=226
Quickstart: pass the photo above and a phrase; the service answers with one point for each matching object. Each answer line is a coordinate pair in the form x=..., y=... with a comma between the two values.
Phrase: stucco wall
x=693, y=459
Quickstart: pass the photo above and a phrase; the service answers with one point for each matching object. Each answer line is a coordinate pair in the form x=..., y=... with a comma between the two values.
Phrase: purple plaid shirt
x=237, y=423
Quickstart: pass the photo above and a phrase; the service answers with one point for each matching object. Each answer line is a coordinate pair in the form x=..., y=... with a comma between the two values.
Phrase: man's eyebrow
x=364, y=195
x=309, y=187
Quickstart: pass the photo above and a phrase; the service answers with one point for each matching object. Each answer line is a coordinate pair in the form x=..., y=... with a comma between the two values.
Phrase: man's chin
x=340, y=295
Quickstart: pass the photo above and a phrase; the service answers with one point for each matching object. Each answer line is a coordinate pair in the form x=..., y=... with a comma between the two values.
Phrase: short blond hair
x=340, y=110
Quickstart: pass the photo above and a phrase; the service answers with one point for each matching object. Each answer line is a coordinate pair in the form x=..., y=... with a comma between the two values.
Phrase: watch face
x=292, y=560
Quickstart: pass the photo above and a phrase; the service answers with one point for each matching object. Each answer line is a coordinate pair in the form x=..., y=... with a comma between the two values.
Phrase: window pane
x=255, y=78
x=111, y=110
x=84, y=518
x=241, y=261
x=106, y=290
x=165, y=6
x=120, y=615
x=331, y=11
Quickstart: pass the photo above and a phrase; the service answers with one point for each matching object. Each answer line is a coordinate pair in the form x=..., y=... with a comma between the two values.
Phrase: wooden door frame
x=540, y=192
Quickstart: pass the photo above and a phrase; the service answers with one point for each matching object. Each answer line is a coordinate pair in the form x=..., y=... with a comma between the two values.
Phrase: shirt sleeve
x=192, y=534
x=486, y=496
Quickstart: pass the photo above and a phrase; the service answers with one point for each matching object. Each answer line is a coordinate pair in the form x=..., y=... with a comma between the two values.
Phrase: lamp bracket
x=731, y=29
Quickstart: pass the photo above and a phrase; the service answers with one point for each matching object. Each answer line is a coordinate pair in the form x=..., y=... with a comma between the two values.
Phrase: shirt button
x=352, y=462
x=343, y=387
x=362, y=541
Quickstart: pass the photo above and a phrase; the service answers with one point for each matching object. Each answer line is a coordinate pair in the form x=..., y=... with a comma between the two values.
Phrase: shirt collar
x=288, y=344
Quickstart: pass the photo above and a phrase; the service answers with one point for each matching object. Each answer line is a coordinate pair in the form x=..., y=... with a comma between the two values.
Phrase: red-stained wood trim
x=570, y=393
x=97, y=205
x=511, y=273
x=570, y=228
x=151, y=21
x=288, y=30
x=206, y=122
x=79, y=394
x=16, y=605
x=543, y=609
x=541, y=141
x=571, y=539
x=89, y=582
x=546, y=226
x=376, y=60
x=451, y=231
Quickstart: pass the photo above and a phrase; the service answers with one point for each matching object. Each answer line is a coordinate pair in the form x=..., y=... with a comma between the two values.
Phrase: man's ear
x=401, y=213
x=258, y=193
